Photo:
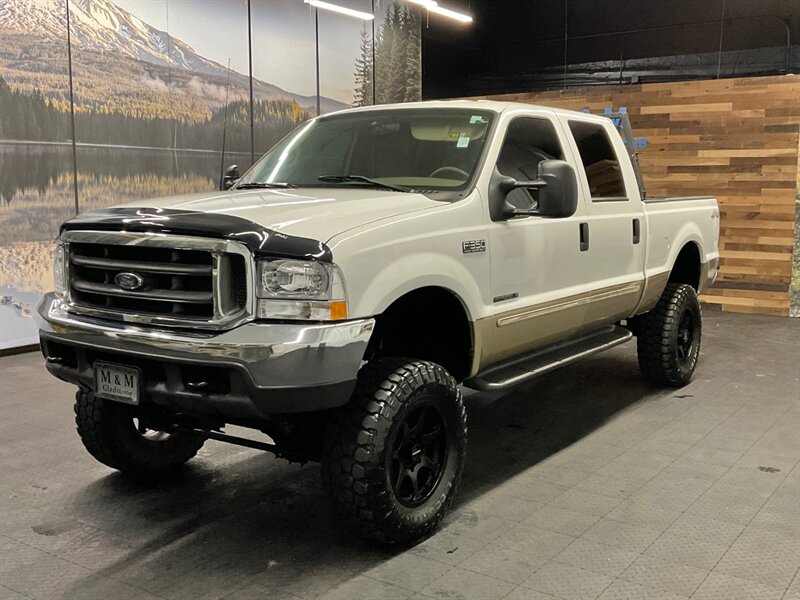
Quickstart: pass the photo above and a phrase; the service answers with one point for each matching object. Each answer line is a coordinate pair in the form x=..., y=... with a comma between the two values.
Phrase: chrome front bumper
x=273, y=367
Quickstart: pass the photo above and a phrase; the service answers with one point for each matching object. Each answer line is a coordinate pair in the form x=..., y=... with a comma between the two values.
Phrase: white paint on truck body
x=388, y=243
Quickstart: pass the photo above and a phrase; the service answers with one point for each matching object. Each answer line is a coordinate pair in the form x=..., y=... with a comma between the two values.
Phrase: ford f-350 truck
x=336, y=295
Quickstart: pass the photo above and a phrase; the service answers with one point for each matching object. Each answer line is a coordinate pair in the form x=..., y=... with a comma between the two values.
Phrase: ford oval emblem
x=129, y=281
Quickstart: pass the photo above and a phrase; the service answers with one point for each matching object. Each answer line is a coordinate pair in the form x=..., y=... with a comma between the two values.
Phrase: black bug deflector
x=260, y=240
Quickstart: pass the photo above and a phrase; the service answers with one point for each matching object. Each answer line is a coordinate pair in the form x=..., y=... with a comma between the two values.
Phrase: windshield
x=403, y=149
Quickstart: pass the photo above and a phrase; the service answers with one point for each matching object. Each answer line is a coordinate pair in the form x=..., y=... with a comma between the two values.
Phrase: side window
x=528, y=142
x=599, y=161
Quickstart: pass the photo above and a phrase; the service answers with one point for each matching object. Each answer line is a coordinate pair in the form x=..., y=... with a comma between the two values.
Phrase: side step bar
x=507, y=374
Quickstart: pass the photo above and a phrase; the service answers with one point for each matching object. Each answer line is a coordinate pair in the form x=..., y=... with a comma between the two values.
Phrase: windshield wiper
x=255, y=185
x=363, y=179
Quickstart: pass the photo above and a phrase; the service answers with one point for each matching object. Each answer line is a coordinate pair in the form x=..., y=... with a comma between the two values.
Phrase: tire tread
x=99, y=427
x=655, y=331
x=350, y=469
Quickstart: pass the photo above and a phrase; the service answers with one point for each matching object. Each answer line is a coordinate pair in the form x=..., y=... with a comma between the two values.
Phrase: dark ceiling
x=518, y=45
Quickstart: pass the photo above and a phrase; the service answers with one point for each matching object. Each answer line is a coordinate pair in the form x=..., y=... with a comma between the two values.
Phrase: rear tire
x=394, y=455
x=668, y=337
x=110, y=434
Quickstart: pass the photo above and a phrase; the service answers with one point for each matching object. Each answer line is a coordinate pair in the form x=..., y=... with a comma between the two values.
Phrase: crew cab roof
x=492, y=105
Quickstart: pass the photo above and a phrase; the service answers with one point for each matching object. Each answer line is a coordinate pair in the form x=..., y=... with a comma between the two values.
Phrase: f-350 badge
x=471, y=246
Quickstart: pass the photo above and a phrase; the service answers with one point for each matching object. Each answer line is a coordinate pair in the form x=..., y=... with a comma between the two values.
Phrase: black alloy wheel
x=418, y=456
x=685, y=338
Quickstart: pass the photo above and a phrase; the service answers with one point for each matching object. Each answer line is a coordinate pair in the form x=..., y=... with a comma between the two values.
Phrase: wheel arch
x=687, y=266
x=430, y=322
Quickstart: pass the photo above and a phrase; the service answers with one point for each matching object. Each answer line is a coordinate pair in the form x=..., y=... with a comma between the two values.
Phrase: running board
x=505, y=375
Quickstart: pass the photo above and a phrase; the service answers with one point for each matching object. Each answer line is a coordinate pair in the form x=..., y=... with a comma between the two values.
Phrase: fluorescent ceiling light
x=342, y=10
x=433, y=6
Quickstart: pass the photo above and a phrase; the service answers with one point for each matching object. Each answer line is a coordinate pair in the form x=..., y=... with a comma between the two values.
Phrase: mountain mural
x=121, y=64
x=151, y=112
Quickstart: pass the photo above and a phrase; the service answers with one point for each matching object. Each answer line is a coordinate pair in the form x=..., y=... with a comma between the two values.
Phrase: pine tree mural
x=413, y=58
x=363, y=72
x=398, y=51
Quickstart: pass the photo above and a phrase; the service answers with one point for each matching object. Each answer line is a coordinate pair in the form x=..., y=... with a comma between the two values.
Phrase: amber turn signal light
x=338, y=310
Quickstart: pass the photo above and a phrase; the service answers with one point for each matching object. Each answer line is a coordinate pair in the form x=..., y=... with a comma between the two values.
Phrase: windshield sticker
x=463, y=141
x=476, y=119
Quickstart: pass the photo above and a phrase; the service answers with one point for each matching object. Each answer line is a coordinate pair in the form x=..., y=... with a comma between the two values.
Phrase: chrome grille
x=175, y=279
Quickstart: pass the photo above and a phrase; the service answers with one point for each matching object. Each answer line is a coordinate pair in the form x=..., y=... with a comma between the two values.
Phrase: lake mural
x=161, y=89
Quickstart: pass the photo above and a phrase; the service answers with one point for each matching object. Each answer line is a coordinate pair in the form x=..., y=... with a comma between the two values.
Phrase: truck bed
x=654, y=199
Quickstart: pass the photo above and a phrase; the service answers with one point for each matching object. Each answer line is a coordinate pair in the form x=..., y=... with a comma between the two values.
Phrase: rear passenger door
x=613, y=220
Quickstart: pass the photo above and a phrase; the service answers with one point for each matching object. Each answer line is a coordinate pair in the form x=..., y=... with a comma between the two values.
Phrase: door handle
x=637, y=231
x=584, y=227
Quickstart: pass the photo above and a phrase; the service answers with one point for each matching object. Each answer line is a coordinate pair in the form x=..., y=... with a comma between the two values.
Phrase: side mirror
x=557, y=198
x=231, y=176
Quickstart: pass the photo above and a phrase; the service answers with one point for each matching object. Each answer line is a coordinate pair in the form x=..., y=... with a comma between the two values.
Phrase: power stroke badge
x=471, y=246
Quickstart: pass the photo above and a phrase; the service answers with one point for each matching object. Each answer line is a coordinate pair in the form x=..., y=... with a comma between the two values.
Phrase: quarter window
x=599, y=161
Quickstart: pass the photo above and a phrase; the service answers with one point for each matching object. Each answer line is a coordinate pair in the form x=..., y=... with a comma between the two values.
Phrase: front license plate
x=115, y=382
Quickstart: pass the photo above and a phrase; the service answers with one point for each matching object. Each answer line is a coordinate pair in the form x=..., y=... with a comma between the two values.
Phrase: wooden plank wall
x=734, y=138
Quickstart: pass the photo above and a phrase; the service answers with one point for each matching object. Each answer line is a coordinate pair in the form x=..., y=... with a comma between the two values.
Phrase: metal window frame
x=626, y=132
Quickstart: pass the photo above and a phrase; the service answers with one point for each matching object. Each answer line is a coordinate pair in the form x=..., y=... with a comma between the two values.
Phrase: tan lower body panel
x=522, y=330
x=653, y=288
x=708, y=273
x=514, y=332
x=655, y=284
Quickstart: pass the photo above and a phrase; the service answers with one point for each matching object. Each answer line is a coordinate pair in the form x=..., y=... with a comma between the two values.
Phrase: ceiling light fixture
x=433, y=6
x=342, y=10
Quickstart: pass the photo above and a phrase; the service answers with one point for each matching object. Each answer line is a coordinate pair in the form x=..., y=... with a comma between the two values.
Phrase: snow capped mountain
x=101, y=26
x=42, y=17
x=96, y=25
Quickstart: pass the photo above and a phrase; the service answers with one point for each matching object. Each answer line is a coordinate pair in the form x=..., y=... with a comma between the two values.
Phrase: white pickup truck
x=336, y=295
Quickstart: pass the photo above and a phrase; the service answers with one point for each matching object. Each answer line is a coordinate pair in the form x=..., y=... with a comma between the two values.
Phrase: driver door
x=538, y=270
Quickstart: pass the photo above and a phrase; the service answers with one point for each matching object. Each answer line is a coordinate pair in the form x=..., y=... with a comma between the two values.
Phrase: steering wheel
x=456, y=170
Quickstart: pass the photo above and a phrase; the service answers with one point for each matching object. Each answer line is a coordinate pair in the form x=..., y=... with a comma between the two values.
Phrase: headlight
x=60, y=270
x=293, y=279
x=300, y=289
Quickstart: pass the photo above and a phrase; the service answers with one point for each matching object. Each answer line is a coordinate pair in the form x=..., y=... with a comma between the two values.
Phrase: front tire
x=668, y=337
x=394, y=455
x=110, y=433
